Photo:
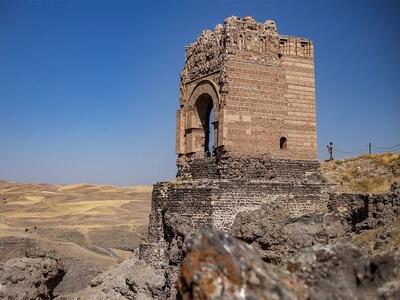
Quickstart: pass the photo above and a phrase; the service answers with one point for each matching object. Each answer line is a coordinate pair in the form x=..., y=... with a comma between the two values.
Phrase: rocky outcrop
x=132, y=279
x=176, y=229
x=218, y=266
x=341, y=271
x=29, y=278
x=277, y=236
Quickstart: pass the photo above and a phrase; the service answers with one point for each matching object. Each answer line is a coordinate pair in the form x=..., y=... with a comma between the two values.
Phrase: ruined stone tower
x=260, y=86
x=246, y=131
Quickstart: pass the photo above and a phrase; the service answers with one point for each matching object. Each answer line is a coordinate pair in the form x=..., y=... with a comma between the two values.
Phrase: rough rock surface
x=276, y=235
x=29, y=278
x=341, y=271
x=132, y=279
x=218, y=266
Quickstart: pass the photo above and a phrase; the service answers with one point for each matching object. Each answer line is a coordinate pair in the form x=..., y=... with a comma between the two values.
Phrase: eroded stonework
x=237, y=38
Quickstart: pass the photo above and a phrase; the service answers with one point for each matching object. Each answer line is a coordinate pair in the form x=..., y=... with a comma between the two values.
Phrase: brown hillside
x=89, y=228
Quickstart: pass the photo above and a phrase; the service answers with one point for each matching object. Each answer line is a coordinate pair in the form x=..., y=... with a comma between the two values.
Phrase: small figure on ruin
x=330, y=151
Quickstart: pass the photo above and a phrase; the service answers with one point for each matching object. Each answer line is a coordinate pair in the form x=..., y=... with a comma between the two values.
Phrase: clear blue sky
x=89, y=89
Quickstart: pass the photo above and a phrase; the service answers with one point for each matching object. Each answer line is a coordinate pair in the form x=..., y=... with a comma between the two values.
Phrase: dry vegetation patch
x=365, y=174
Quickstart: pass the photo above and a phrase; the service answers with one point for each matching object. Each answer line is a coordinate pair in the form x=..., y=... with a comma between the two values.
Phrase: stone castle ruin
x=245, y=131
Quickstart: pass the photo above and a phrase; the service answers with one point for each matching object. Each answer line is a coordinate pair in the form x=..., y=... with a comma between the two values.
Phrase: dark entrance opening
x=283, y=143
x=205, y=111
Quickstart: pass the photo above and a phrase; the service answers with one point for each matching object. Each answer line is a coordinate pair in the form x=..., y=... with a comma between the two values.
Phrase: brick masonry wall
x=191, y=199
x=300, y=123
x=197, y=168
x=255, y=109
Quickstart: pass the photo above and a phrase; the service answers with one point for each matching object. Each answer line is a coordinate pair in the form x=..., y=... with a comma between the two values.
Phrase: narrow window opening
x=283, y=143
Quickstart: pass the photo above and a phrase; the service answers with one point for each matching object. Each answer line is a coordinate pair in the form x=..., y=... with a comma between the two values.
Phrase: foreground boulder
x=218, y=266
x=29, y=278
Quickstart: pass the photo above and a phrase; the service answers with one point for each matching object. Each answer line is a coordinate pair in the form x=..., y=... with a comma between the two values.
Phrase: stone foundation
x=237, y=185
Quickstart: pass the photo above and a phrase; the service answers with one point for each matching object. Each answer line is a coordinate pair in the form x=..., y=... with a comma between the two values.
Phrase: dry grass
x=366, y=174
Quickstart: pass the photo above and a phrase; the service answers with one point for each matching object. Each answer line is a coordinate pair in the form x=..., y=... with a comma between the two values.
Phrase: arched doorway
x=205, y=111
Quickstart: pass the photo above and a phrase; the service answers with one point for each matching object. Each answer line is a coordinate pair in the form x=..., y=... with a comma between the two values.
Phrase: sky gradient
x=89, y=89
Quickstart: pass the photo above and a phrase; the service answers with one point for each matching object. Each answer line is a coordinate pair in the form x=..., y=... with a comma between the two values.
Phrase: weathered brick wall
x=225, y=166
x=197, y=168
x=286, y=170
x=214, y=203
x=191, y=199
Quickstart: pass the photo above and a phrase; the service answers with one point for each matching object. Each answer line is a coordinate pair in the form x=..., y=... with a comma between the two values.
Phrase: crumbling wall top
x=235, y=36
